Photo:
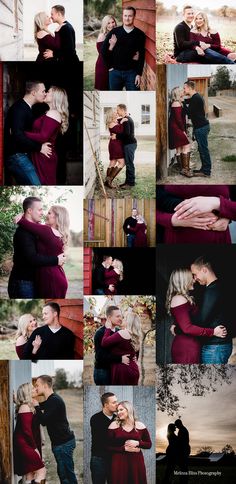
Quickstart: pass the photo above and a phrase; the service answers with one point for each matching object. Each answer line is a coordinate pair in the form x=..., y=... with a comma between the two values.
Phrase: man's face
x=186, y=90
x=108, y=262
x=134, y=213
x=39, y=387
x=36, y=211
x=111, y=404
x=128, y=18
x=116, y=318
x=54, y=15
x=48, y=315
x=199, y=274
x=39, y=93
x=188, y=15
x=120, y=111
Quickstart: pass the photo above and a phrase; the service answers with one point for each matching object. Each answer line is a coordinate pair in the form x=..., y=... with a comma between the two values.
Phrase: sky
x=211, y=420
x=199, y=3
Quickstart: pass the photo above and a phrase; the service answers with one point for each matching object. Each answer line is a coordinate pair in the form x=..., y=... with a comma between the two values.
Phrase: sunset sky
x=211, y=420
x=198, y=4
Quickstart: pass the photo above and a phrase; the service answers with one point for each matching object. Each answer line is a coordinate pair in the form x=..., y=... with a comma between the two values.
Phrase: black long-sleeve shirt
x=127, y=137
x=129, y=221
x=181, y=38
x=121, y=56
x=103, y=356
x=25, y=258
x=52, y=414
x=166, y=202
x=98, y=278
x=67, y=51
x=99, y=424
x=55, y=346
x=18, y=120
x=195, y=109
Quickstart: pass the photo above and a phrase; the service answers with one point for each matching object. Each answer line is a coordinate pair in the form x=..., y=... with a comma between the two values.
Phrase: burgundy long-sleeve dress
x=213, y=39
x=45, y=129
x=177, y=136
x=140, y=234
x=128, y=467
x=48, y=42
x=51, y=282
x=121, y=374
x=20, y=351
x=26, y=439
x=101, y=71
x=181, y=235
x=186, y=347
x=115, y=147
x=111, y=277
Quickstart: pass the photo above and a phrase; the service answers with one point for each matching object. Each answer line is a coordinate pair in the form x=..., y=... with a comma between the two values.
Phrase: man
x=123, y=51
x=52, y=414
x=67, y=52
x=103, y=356
x=184, y=449
x=99, y=422
x=130, y=145
x=99, y=279
x=52, y=341
x=17, y=146
x=25, y=258
x=131, y=222
x=215, y=350
x=195, y=108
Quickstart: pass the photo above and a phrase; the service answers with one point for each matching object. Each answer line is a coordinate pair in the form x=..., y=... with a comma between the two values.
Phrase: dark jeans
x=101, y=376
x=20, y=289
x=188, y=55
x=201, y=135
x=65, y=465
x=21, y=167
x=99, y=292
x=99, y=470
x=217, y=57
x=120, y=79
x=216, y=354
x=130, y=240
x=129, y=151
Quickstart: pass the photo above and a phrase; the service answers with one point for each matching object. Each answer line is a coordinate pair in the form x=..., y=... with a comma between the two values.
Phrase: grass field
x=90, y=56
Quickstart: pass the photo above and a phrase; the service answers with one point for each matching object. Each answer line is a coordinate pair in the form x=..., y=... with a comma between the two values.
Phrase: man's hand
x=61, y=259
x=200, y=51
x=112, y=41
x=125, y=359
x=48, y=54
x=17, y=218
x=172, y=329
x=111, y=287
x=220, y=225
x=46, y=149
x=137, y=81
x=113, y=136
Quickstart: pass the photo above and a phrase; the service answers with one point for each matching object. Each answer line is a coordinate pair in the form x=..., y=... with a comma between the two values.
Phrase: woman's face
x=115, y=264
x=51, y=218
x=190, y=284
x=48, y=21
x=111, y=24
x=32, y=324
x=122, y=413
x=199, y=21
x=49, y=94
x=114, y=116
x=34, y=393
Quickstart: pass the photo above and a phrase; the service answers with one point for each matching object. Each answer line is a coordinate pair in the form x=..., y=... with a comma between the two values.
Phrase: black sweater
x=121, y=56
x=55, y=346
x=195, y=109
x=181, y=38
x=52, y=414
x=129, y=221
x=127, y=137
x=166, y=202
x=99, y=423
x=19, y=119
x=103, y=356
x=67, y=51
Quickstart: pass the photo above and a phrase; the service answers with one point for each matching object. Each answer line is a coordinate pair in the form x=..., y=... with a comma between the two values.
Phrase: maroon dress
x=121, y=374
x=140, y=235
x=25, y=440
x=111, y=277
x=180, y=235
x=186, y=347
x=177, y=137
x=213, y=39
x=128, y=467
x=48, y=42
x=20, y=351
x=51, y=282
x=101, y=71
x=45, y=129
x=115, y=147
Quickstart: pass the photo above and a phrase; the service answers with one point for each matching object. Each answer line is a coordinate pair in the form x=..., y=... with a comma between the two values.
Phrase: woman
x=140, y=231
x=27, y=324
x=27, y=439
x=126, y=437
x=172, y=452
x=195, y=213
x=113, y=276
x=46, y=128
x=178, y=139
x=186, y=346
x=202, y=32
x=101, y=69
x=115, y=146
x=124, y=342
x=52, y=239
x=44, y=38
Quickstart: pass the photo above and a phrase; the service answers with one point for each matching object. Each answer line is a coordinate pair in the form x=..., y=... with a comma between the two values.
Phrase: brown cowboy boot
x=115, y=172
x=107, y=181
x=185, y=159
x=179, y=164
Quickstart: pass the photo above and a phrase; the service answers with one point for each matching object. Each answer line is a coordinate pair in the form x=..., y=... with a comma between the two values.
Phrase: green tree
x=60, y=382
x=222, y=79
x=206, y=449
x=228, y=449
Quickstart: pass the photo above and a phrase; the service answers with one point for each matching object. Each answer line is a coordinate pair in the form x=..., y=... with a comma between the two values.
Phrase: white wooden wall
x=91, y=119
x=11, y=30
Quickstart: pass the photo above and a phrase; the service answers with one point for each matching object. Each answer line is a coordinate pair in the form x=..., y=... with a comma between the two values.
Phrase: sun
x=161, y=433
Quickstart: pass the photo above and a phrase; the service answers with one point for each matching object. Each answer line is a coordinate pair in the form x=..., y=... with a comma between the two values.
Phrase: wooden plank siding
x=91, y=120
x=1, y=124
x=87, y=271
x=5, y=440
x=11, y=30
x=103, y=221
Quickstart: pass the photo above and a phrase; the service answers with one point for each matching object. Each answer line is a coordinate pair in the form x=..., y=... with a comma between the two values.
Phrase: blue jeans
x=129, y=151
x=216, y=354
x=130, y=240
x=18, y=289
x=21, y=167
x=65, y=465
x=101, y=376
x=217, y=57
x=201, y=135
x=99, y=292
x=120, y=79
x=99, y=470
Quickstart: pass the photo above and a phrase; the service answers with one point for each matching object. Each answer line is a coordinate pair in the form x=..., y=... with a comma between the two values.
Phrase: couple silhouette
x=177, y=452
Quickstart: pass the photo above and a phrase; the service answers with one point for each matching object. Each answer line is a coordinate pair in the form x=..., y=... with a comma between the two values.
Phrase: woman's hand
x=196, y=222
x=136, y=56
x=108, y=324
x=35, y=402
x=36, y=344
x=196, y=206
x=128, y=448
x=132, y=443
x=220, y=225
x=123, y=120
x=220, y=331
x=112, y=41
x=17, y=218
x=172, y=329
x=36, y=450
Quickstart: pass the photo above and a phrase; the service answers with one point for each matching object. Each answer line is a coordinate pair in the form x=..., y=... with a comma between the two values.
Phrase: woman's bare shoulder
x=113, y=425
x=140, y=426
x=20, y=341
x=41, y=34
x=101, y=37
x=24, y=408
x=213, y=32
x=54, y=114
x=175, y=104
x=124, y=333
x=177, y=300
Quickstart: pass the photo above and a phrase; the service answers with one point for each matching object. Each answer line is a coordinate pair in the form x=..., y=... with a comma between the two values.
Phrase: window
x=145, y=114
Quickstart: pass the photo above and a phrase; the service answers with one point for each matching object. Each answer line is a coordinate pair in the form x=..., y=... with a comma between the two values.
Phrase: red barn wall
x=87, y=271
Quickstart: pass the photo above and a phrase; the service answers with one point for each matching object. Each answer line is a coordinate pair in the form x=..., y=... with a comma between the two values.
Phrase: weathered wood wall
x=5, y=435
x=103, y=221
x=142, y=398
x=161, y=122
x=11, y=30
x=91, y=120
x=1, y=124
x=87, y=271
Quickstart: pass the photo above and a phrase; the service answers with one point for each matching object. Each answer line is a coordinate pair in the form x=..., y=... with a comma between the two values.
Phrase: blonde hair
x=63, y=222
x=175, y=94
x=119, y=267
x=109, y=117
x=179, y=283
x=60, y=103
x=206, y=25
x=104, y=24
x=23, y=325
x=39, y=23
x=24, y=397
x=133, y=324
x=131, y=413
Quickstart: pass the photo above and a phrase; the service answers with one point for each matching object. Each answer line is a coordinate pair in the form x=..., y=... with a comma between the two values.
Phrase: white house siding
x=11, y=30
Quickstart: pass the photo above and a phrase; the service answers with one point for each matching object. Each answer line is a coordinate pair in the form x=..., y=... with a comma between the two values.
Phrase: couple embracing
x=177, y=452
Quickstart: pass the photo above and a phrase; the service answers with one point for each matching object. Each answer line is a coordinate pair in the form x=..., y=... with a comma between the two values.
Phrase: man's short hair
x=55, y=307
x=122, y=106
x=110, y=310
x=202, y=261
x=105, y=257
x=130, y=8
x=28, y=202
x=185, y=7
x=46, y=379
x=31, y=86
x=60, y=9
x=105, y=396
x=190, y=84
